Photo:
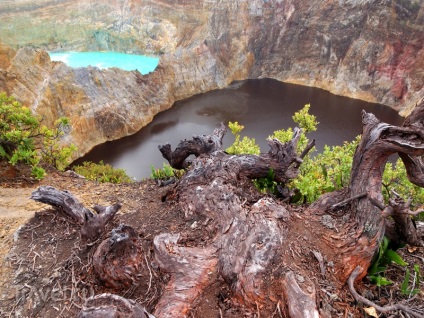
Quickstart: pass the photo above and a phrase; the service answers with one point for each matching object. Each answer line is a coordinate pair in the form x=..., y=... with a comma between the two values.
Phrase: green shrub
x=245, y=146
x=406, y=290
x=305, y=121
x=395, y=179
x=326, y=172
x=24, y=140
x=52, y=152
x=102, y=172
x=166, y=172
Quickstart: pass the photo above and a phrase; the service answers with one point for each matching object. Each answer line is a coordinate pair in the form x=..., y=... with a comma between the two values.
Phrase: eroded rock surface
x=369, y=49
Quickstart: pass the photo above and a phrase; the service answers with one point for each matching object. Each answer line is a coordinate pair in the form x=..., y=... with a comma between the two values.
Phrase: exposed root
x=300, y=304
x=118, y=259
x=382, y=309
x=191, y=271
x=92, y=224
x=109, y=305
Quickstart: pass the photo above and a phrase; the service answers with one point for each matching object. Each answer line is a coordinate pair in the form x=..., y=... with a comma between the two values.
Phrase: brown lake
x=262, y=106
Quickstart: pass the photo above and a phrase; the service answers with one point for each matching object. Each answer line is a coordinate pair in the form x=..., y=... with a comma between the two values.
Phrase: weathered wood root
x=112, y=306
x=247, y=237
x=63, y=200
x=363, y=198
x=282, y=158
x=192, y=269
x=300, y=304
x=245, y=240
x=382, y=309
x=249, y=246
x=400, y=229
x=94, y=227
x=199, y=145
x=92, y=224
x=118, y=260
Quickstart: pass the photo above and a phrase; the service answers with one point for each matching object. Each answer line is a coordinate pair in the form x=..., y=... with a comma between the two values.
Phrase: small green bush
x=245, y=146
x=326, y=172
x=305, y=121
x=24, y=140
x=395, y=179
x=51, y=151
x=102, y=172
x=165, y=173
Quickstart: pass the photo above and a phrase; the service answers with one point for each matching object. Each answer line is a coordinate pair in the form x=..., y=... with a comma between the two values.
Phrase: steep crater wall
x=372, y=50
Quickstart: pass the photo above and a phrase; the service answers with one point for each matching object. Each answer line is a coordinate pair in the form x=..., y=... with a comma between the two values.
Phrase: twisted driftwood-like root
x=118, y=260
x=250, y=235
x=400, y=229
x=109, y=305
x=191, y=269
x=199, y=145
x=63, y=200
x=92, y=224
x=362, y=200
x=300, y=303
x=243, y=241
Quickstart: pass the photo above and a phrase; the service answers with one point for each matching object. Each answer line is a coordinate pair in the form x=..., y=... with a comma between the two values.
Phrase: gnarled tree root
x=112, y=306
x=92, y=224
x=118, y=260
x=382, y=309
x=192, y=269
x=300, y=304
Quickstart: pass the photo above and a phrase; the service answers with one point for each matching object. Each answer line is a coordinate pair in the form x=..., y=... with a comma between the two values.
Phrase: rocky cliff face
x=368, y=49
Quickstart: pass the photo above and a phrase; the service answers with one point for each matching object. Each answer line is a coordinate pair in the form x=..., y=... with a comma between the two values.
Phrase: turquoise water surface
x=129, y=62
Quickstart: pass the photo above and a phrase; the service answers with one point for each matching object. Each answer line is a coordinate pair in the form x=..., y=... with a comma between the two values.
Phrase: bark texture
x=118, y=261
x=248, y=235
x=92, y=224
x=242, y=232
x=112, y=306
x=366, y=224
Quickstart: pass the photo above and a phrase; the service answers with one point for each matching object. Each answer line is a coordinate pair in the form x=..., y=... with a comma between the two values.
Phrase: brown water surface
x=262, y=106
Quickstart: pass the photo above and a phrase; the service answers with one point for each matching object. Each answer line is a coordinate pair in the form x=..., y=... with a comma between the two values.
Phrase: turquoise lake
x=129, y=62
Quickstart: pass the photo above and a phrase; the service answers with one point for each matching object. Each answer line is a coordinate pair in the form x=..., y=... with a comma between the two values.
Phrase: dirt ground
x=45, y=272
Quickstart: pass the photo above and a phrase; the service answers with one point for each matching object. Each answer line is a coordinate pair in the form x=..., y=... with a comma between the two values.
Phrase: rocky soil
x=45, y=271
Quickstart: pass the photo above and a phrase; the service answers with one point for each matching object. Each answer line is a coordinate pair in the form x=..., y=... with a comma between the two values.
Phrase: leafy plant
x=395, y=179
x=406, y=291
x=245, y=146
x=307, y=122
x=327, y=171
x=102, y=172
x=384, y=257
x=267, y=184
x=24, y=140
x=302, y=118
x=52, y=152
x=166, y=172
